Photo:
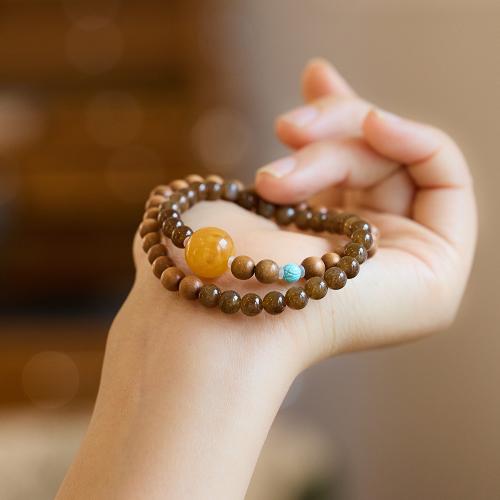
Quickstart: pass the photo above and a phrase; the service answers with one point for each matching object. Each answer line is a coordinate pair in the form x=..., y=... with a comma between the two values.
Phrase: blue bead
x=291, y=272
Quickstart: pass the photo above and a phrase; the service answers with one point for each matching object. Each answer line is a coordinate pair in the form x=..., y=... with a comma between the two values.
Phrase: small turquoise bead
x=291, y=273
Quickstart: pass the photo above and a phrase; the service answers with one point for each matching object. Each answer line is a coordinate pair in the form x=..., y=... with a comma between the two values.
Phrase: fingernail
x=389, y=117
x=279, y=168
x=302, y=116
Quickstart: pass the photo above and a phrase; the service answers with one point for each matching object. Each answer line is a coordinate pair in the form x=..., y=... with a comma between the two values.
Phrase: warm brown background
x=101, y=100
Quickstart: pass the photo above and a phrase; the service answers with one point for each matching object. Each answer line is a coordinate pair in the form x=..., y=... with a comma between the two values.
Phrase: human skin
x=188, y=394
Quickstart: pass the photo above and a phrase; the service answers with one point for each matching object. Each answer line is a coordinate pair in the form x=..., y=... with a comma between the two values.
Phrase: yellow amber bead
x=207, y=252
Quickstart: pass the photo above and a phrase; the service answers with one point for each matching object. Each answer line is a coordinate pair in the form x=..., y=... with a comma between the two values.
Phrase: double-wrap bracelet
x=209, y=251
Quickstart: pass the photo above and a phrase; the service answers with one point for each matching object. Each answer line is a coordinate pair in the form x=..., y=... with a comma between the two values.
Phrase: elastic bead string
x=162, y=217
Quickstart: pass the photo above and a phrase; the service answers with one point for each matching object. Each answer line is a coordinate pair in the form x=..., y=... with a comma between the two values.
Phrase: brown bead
x=171, y=205
x=349, y=265
x=313, y=266
x=334, y=222
x=330, y=259
x=160, y=264
x=335, y=278
x=191, y=194
x=354, y=223
x=316, y=288
x=214, y=178
x=251, y=304
x=194, y=178
x=363, y=237
x=190, y=287
x=178, y=184
x=266, y=209
x=148, y=226
x=267, y=271
x=230, y=190
x=346, y=228
x=162, y=190
x=296, y=297
x=151, y=213
x=171, y=277
x=247, y=199
x=284, y=215
x=317, y=222
x=229, y=302
x=155, y=201
x=214, y=190
x=181, y=199
x=180, y=234
x=156, y=251
x=209, y=295
x=303, y=218
x=169, y=225
x=149, y=240
x=242, y=267
x=274, y=302
x=357, y=251
x=167, y=214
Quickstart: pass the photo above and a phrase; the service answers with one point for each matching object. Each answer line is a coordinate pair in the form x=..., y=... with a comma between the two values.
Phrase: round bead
x=349, y=265
x=230, y=190
x=363, y=237
x=330, y=259
x=291, y=273
x=194, y=178
x=156, y=251
x=201, y=189
x=267, y=271
x=335, y=221
x=214, y=190
x=180, y=234
x=190, y=287
x=178, y=184
x=313, y=266
x=162, y=189
x=242, y=267
x=149, y=240
x=247, y=199
x=181, y=199
x=303, y=218
x=316, y=288
x=160, y=264
x=208, y=251
x=296, y=298
x=148, y=226
x=317, y=222
x=229, y=302
x=169, y=225
x=251, y=304
x=335, y=278
x=284, y=215
x=155, y=201
x=266, y=209
x=171, y=277
x=274, y=302
x=191, y=194
x=171, y=205
x=357, y=251
x=215, y=178
x=152, y=213
x=209, y=295
x=168, y=214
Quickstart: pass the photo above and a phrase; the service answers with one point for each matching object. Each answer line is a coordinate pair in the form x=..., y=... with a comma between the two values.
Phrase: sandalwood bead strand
x=190, y=287
x=171, y=278
x=242, y=267
x=267, y=271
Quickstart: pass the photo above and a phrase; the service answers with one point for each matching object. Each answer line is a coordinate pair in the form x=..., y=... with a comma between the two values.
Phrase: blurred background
x=102, y=99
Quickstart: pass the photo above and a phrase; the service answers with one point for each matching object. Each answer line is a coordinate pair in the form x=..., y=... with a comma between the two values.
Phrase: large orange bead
x=207, y=252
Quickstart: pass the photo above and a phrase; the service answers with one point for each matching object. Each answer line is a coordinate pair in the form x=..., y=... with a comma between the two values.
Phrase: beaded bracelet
x=208, y=251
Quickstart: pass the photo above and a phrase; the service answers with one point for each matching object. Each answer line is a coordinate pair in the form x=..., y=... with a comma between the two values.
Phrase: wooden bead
x=230, y=190
x=296, y=298
x=330, y=259
x=191, y=194
x=359, y=224
x=335, y=278
x=334, y=222
x=155, y=201
x=274, y=302
x=349, y=265
x=251, y=304
x=229, y=302
x=357, y=251
x=316, y=288
x=313, y=266
x=160, y=264
x=171, y=277
x=190, y=287
x=171, y=205
x=214, y=178
x=242, y=267
x=162, y=190
x=303, y=218
x=149, y=240
x=201, y=190
x=267, y=271
x=178, y=184
x=214, y=190
x=247, y=199
x=317, y=222
x=168, y=214
x=152, y=213
x=266, y=209
x=156, y=251
x=363, y=237
x=209, y=295
x=284, y=215
x=194, y=178
x=181, y=199
x=179, y=235
x=169, y=225
x=148, y=226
